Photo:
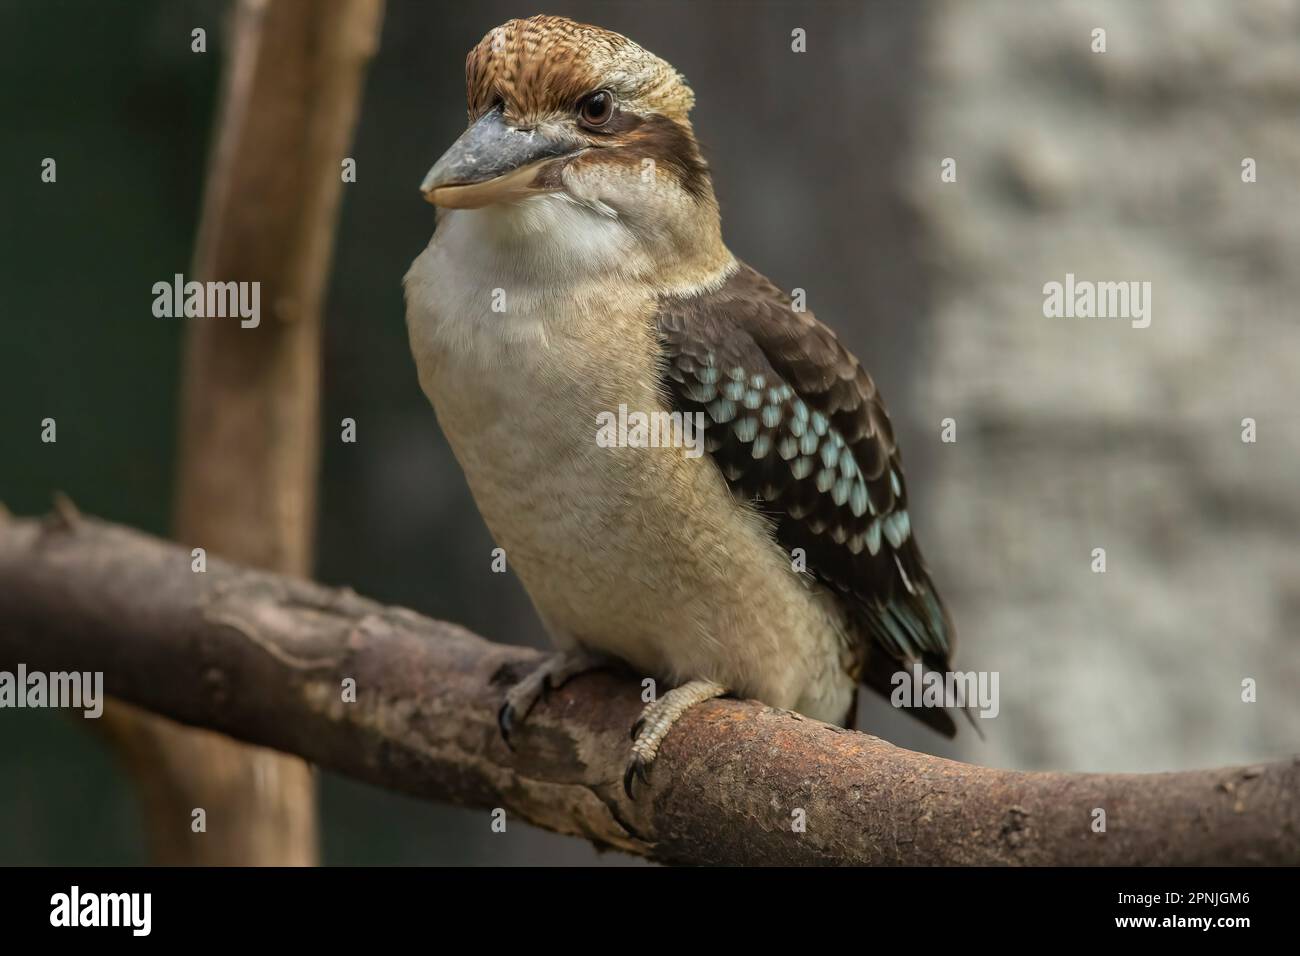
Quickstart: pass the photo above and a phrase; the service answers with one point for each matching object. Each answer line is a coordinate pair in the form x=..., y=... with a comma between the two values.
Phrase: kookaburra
x=578, y=267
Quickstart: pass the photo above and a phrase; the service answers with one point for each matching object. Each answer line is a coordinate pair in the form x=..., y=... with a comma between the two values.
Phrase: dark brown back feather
x=800, y=432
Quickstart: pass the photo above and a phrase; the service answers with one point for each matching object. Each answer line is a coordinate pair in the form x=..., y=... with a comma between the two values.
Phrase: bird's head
x=561, y=108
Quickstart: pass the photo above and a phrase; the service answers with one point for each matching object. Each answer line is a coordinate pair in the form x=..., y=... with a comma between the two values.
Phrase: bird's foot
x=556, y=671
x=655, y=722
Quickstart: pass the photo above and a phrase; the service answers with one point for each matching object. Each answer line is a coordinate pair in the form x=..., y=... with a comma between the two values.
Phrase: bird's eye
x=596, y=109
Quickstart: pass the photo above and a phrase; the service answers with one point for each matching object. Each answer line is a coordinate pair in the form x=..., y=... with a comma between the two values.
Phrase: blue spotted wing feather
x=798, y=429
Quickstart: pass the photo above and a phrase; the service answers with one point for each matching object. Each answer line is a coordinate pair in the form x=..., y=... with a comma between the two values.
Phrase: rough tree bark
x=263, y=657
x=249, y=422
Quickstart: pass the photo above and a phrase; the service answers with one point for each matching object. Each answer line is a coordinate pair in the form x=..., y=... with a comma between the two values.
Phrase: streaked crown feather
x=546, y=64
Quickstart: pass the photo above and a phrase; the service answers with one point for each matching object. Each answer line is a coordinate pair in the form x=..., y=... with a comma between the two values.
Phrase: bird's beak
x=491, y=162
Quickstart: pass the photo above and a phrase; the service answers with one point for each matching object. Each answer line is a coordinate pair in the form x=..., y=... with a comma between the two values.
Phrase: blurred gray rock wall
x=1083, y=433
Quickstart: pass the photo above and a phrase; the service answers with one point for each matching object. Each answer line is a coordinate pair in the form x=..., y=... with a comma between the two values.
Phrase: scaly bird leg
x=657, y=719
x=556, y=671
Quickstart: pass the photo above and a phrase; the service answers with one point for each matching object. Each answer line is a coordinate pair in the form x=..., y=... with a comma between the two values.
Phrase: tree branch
x=262, y=657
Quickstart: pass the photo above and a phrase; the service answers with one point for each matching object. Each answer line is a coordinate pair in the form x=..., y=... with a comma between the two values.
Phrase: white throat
x=498, y=276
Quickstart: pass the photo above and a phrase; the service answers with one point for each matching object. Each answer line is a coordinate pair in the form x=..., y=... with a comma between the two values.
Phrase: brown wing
x=798, y=429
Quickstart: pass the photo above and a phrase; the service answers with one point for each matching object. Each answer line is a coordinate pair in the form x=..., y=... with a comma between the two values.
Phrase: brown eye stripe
x=622, y=122
x=671, y=144
x=658, y=138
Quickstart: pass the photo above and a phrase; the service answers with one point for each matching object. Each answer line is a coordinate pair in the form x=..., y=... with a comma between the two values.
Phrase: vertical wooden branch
x=250, y=403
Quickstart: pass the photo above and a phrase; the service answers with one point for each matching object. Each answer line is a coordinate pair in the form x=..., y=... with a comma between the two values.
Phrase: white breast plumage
x=526, y=322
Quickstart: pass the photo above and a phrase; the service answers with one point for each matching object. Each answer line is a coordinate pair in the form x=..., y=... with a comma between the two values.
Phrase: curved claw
x=524, y=696
x=638, y=766
x=506, y=722
x=636, y=727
